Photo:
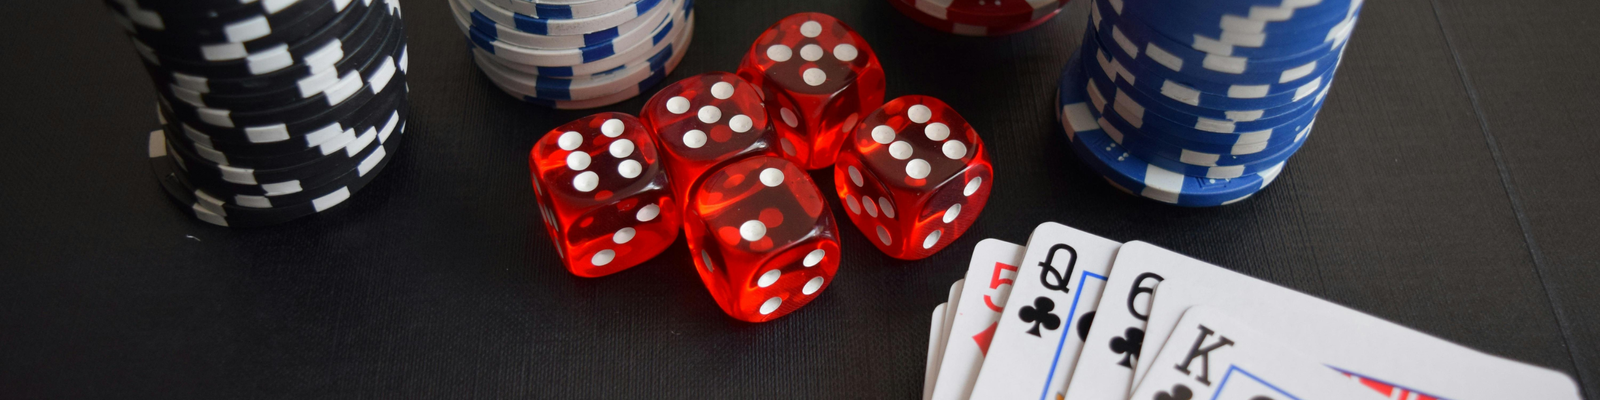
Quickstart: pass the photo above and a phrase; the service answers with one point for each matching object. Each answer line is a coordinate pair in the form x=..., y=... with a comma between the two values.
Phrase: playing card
x=989, y=279
x=936, y=349
x=1047, y=316
x=1212, y=356
x=1105, y=366
x=1389, y=358
x=935, y=340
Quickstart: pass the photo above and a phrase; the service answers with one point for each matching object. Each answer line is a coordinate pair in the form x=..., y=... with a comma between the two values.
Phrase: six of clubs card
x=1078, y=317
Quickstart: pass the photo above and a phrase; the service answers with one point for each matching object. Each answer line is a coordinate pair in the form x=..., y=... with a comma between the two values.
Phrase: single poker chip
x=354, y=86
x=275, y=96
x=627, y=92
x=389, y=29
x=218, y=212
x=513, y=53
x=1214, y=136
x=1130, y=173
x=987, y=12
x=659, y=40
x=1028, y=9
x=543, y=9
x=375, y=114
x=578, y=26
x=509, y=34
x=322, y=49
x=960, y=28
x=228, y=180
x=269, y=132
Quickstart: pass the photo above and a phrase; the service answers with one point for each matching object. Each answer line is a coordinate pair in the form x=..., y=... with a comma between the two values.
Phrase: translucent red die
x=705, y=120
x=914, y=176
x=818, y=78
x=606, y=200
x=763, y=240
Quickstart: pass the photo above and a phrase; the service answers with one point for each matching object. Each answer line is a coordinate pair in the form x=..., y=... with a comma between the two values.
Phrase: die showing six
x=914, y=176
x=606, y=200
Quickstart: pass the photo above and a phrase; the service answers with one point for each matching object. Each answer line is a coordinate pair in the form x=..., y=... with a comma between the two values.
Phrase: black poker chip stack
x=270, y=110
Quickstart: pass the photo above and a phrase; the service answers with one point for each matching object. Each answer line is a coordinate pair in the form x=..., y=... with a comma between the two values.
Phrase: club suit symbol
x=1179, y=392
x=1085, y=323
x=1128, y=346
x=1039, y=314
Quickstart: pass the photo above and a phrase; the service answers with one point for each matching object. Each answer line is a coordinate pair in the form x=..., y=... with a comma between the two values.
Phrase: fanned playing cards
x=1074, y=316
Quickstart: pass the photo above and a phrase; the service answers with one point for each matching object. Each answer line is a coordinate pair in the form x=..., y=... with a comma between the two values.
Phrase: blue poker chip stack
x=574, y=54
x=1200, y=103
x=270, y=110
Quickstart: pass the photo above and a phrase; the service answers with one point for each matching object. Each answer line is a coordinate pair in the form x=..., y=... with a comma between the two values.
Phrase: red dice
x=914, y=176
x=763, y=240
x=705, y=120
x=818, y=78
x=607, y=201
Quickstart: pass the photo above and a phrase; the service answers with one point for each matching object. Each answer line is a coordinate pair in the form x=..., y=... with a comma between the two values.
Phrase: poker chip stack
x=980, y=17
x=574, y=54
x=1200, y=103
x=271, y=110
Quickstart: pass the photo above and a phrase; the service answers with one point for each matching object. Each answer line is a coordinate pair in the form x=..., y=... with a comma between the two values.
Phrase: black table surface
x=1451, y=188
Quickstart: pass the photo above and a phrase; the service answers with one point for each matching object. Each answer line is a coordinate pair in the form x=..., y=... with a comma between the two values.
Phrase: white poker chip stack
x=575, y=54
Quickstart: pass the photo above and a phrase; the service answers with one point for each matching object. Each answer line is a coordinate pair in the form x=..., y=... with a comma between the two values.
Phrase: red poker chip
x=987, y=13
x=964, y=29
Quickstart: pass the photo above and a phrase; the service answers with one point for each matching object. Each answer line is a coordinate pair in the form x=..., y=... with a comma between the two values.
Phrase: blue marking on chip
x=553, y=11
x=1130, y=173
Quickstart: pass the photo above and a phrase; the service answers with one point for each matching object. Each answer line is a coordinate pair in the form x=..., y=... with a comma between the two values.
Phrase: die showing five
x=704, y=120
x=725, y=156
x=818, y=79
